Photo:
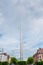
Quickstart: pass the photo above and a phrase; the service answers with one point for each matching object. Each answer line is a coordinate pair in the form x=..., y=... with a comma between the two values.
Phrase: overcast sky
x=30, y=12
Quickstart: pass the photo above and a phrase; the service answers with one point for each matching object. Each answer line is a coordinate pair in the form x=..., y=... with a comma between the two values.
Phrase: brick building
x=38, y=56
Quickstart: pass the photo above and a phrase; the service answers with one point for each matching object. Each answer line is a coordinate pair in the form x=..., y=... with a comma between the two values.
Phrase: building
x=38, y=56
x=4, y=57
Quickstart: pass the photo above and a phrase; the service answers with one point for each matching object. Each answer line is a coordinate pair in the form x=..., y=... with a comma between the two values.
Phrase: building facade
x=38, y=56
x=4, y=57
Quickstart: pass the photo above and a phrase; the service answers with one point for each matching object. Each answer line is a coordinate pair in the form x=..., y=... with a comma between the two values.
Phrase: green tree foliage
x=22, y=63
x=39, y=63
x=3, y=63
x=30, y=60
x=14, y=60
x=0, y=63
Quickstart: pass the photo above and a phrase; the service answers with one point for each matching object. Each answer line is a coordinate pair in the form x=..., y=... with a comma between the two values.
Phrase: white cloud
x=14, y=2
x=32, y=25
x=1, y=18
x=34, y=33
x=8, y=41
x=37, y=26
x=1, y=14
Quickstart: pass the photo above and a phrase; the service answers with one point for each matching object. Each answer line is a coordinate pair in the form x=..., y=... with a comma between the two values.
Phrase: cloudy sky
x=30, y=12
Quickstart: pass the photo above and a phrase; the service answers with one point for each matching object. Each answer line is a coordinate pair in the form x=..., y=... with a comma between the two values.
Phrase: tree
x=30, y=60
x=22, y=63
x=14, y=60
x=4, y=63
